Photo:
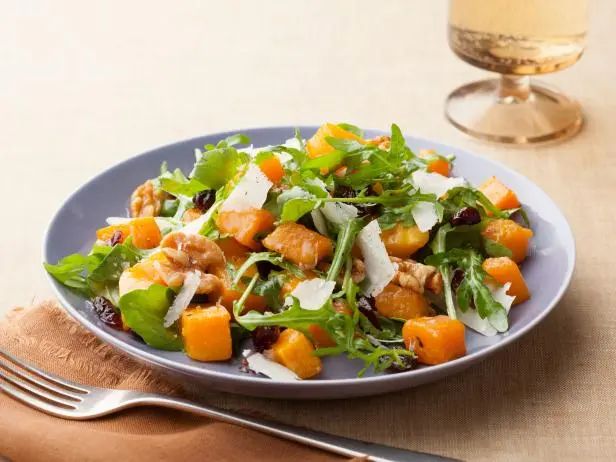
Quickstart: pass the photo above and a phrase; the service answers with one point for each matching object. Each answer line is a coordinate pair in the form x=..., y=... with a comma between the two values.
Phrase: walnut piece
x=358, y=271
x=382, y=142
x=191, y=252
x=417, y=276
x=146, y=200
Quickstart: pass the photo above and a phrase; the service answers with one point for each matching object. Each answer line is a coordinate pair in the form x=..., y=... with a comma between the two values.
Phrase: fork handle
x=336, y=444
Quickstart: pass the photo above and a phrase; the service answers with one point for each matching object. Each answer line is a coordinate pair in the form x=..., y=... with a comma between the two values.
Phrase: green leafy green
x=294, y=209
x=328, y=161
x=71, y=270
x=216, y=167
x=495, y=249
x=103, y=279
x=144, y=311
x=472, y=286
x=186, y=188
x=269, y=257
x=353, y=129
x=346, y=238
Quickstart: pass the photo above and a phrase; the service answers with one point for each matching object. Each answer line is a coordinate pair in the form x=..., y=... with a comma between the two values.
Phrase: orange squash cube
x=318, y=146
x=244, y=226
x=299, y=244
x=294, y=351
x=511, y=235
x=253, y=302
x=403, y=241
x=272, y=168
x=504, y=270
x=402, y=303
x=106, y=233
x=439, y=165
x=435, y=340
x=236, y=254
x=145, y=232
x=499, y=194
x=206, y=333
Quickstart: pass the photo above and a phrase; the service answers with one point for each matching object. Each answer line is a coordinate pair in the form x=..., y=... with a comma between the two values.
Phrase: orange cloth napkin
x=45, y=336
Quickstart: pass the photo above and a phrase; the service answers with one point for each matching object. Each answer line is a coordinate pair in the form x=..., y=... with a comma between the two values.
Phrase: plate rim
x=314, y=384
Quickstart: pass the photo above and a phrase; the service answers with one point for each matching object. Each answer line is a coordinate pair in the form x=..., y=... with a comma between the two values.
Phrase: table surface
x=84, y=85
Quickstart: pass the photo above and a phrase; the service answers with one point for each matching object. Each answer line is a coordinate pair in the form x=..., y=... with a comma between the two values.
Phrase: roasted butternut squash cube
x=145, y=232
x=299, y=244
x=505, y=270
x=294, y=351
x=435, y=340
x=402, y=303
x=499, y=194
x=236, y=254
x=511, y=235
x=272, y=168
x=253, y=302
x=106, y=233
x=244, y=226
x=206, y=333
x=318, y=146
x=403, y=241
x=142, y=275
x=439, y=166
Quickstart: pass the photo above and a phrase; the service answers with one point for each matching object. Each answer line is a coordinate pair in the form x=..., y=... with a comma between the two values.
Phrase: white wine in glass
x=516, y=38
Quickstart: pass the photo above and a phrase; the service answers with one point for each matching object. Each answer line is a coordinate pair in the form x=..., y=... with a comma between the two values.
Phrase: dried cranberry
x=456, y=278
x=203, y=200
x=407, y=363
x=465, y=216
x=344, y=191
x=367, y=307
x=105, y=311
x=265, y=268
x=368, y=210
x=116, y=238
x=264, y=337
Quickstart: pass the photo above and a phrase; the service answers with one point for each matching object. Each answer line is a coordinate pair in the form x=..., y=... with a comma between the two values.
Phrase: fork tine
x=33, y=402
x=37, y=392
x=24, y=375
x=70, y=386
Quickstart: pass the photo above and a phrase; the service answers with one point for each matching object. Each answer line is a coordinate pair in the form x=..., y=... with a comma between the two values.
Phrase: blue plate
x=547, y=271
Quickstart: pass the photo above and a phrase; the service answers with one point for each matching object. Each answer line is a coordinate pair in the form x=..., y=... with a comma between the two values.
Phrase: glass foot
x=512, y=110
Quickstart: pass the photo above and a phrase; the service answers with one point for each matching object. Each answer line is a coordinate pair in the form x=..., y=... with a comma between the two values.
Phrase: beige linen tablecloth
x=84, y=85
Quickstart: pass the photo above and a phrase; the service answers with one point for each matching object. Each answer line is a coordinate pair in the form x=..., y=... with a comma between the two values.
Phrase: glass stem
x=514, y=89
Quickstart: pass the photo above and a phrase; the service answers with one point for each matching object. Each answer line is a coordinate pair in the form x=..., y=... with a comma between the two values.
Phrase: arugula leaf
x=294, y=317
x=344, y=145
x=472, y=286
x=352, y=128
x=72, y=270
x=346, y=238
x=270, y=289
x=232, y=140
x=328, y=161
x=217, y=166
x=266, y=256
x=296, y=208
x=144, y=310
x=495, y=249
x=103, y=279
x=186, y=188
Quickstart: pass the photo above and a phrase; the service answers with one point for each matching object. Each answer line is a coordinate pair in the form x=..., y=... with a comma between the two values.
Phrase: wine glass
x=516, y=38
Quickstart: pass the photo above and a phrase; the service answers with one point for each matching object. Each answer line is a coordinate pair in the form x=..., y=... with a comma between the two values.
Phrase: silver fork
x=68, y=400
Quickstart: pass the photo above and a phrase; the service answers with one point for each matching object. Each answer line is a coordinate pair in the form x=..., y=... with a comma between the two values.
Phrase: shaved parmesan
x=312, y=294
x=424, y=214
x=319, y=221
x=435, y=183
x=338, y=213
x=379, y=268
x=249, y=193
x=472, y=319
x=183, y=298
x=195, y=226
x=260, y=364
x=293, y=143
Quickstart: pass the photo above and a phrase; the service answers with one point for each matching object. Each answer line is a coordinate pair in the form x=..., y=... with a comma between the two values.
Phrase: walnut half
x=146, y=200
x=417, y=276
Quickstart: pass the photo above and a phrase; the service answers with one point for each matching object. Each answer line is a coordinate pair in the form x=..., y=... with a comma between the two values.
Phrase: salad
x=278, y=256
